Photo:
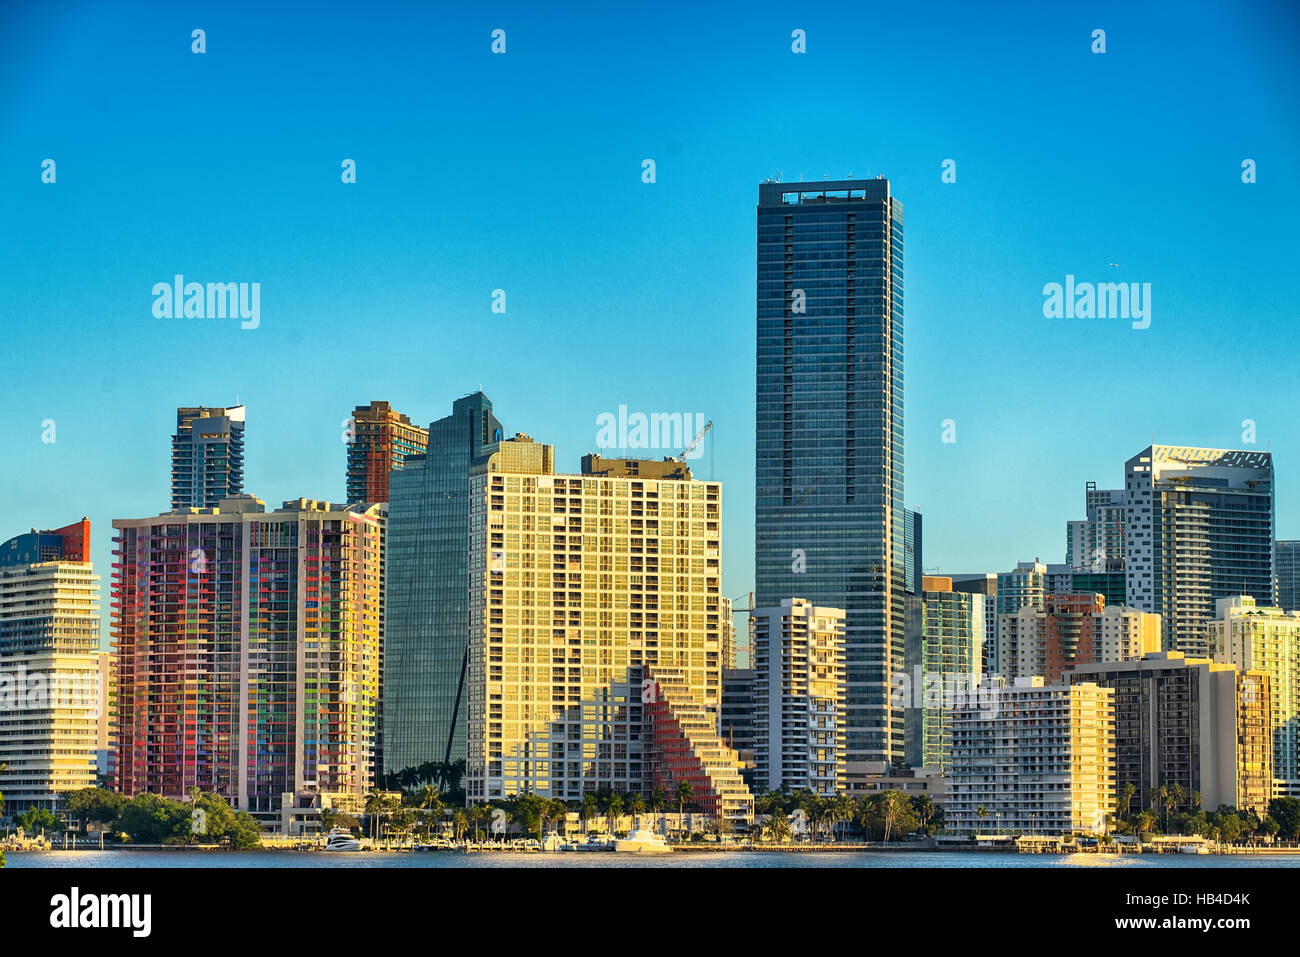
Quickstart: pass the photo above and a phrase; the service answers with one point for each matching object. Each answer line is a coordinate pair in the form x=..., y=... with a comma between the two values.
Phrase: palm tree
x=588, y=810
x=778, y=828
x=614, y=809
x=374, y=806
x=1173, y=797
x=635, y=807
x=981, y=812
x=658, y=800
x=1159, y=797
x=924, y=810
x=685, y=795
x=459, y=823
x=842, y=806
x=1126, y=793
x=478, y=814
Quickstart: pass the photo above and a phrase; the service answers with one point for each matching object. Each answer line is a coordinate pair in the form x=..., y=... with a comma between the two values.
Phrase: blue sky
x=523, y=172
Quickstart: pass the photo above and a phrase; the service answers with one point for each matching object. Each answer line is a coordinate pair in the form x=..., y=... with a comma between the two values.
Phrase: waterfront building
x=799, y=708
x=1259, y=638
x=1033, y=758
x=1201, y=725
x=207, y=455
x=248, y=650
x=381, y=440
x=427, y=619
x=830, y=519
x=591, y=598
x=51, y=701
x=944, y=656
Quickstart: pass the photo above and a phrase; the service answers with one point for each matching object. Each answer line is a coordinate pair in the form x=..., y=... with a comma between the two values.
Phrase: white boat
x=1193, y=849
x=341, y=839
x=642, y=841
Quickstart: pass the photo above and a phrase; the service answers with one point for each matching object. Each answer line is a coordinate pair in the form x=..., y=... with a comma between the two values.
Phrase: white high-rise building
x=799, y=710
x=51, y=698
x=1198, y=526
x=1033, y=759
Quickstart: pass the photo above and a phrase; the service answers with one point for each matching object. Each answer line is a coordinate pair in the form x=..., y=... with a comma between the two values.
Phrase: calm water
x=245, y=859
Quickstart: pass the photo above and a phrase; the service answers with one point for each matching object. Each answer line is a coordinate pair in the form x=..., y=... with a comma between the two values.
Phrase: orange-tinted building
x=380, y=440
x=1069, y=632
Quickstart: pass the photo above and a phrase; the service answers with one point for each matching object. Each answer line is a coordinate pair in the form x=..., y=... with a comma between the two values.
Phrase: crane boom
x=681, y=456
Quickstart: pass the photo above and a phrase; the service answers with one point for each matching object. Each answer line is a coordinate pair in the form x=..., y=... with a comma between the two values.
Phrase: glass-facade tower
x=1288, y=575
x=428, y=581
x=829, y=463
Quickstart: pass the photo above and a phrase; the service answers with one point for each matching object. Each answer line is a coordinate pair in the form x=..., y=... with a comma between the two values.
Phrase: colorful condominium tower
x=207, y=456
x=50, y=695
x=380, y=440
x=248, y=650
x=830, y=523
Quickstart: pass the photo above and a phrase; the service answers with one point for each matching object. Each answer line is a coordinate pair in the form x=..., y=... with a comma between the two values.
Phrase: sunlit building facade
x=51, y=697
x=588, y=592
x=381, y=439
x=248, y=650
x=1033, y=759
x=1259, y=638
x=799, y=697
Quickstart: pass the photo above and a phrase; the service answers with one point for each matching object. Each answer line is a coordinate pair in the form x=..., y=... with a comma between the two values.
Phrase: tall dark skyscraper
x=207, y=456
x=830, y=523
x=427, y=624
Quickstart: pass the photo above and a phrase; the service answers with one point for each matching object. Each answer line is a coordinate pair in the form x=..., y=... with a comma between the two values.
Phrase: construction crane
x=681, y=456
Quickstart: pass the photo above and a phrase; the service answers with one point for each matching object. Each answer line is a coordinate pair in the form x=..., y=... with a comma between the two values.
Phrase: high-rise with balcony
x=1198, y=527
x=1191, y=722
x=595, y=633
x=1256, y=637
x=1070, y=630
x=944, y=655
x=51, y=696
x=799, y=728
x=248, y=650
x=381, y=439
x=1096, y=543
x=1032, y=758
x=207, y=456
x=427, y=626
x=830, y=522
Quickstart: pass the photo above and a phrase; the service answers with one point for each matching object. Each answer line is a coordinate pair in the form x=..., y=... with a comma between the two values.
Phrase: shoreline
x=903, y=848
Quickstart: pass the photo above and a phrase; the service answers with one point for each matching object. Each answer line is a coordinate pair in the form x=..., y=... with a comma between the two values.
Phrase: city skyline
x=661, y=297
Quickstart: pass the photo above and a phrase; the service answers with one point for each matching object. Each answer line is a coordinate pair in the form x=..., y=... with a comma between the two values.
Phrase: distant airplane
x=1112, y=264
